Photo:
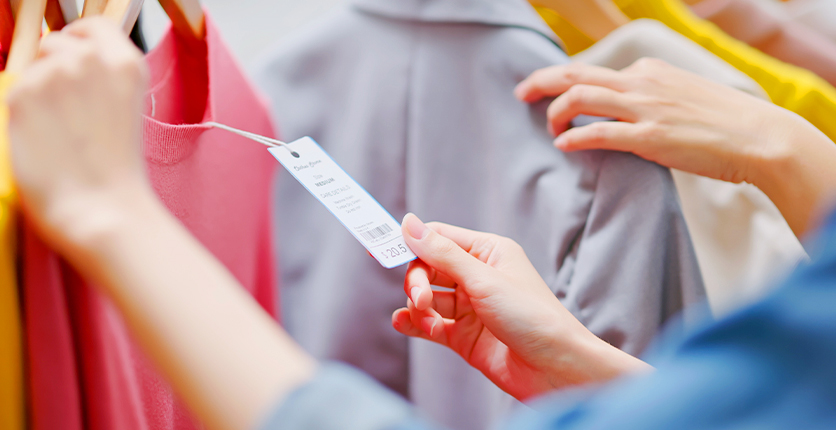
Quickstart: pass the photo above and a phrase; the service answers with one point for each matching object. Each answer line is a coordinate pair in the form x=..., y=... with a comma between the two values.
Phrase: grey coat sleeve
x=635, y=235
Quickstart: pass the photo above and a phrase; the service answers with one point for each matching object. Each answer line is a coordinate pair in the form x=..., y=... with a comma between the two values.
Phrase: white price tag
x=356, y=209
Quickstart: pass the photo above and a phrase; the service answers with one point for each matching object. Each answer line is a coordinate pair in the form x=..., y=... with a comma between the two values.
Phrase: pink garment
x=85, y=370
x=748, y=21
x=53, y=386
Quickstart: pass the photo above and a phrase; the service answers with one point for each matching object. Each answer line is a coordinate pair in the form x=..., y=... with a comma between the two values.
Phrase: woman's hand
x=680, y=120
x=75, y=127
x=500, y=317
x=666, y=115
x=75, y=119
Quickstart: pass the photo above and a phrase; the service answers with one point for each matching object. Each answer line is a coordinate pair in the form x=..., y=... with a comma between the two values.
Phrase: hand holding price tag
x=356, y=209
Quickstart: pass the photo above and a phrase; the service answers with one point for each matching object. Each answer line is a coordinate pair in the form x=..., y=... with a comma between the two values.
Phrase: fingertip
x=397, y=320
x=531, y=96
x=561, y=143
x=522, y=90
x=408, y=216
x=415, y=296
x=402, y=321
x=431, y=325
x=557, y=129
x=414, y=227
x=567, y=144
x=395, y=324
x=420, y=297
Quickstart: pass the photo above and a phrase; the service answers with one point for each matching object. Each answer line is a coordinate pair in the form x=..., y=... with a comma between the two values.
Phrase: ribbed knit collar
x=167, y=143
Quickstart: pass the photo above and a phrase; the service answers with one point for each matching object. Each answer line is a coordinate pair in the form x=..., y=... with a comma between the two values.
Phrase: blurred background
x=248, y=26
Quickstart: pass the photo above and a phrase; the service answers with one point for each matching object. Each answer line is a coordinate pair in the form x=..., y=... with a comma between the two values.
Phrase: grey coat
x=414, y=99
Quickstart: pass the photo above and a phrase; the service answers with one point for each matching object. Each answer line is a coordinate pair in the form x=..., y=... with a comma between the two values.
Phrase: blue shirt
x=771, y=365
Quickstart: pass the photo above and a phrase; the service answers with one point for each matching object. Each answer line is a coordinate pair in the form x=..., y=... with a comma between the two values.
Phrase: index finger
x=555, y=80
x=463, y=237
x=107, y=36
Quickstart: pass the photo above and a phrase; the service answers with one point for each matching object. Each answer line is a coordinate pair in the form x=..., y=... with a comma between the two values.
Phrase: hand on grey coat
x=682, y=121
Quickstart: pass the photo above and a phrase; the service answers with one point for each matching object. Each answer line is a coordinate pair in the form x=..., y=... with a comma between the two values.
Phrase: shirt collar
x=506, y=13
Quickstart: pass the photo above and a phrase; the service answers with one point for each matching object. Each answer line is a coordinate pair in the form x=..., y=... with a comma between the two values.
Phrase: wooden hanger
x=594, y=18
x=124, y=12
x=7, y=24
x=60, y=13
x=186, y=15
x=29, y=19
x=93, y=7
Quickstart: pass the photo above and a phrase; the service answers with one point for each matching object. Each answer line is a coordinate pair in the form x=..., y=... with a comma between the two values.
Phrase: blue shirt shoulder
x=767, y=366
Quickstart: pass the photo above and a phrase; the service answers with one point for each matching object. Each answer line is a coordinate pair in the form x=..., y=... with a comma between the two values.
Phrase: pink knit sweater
x=86, y=371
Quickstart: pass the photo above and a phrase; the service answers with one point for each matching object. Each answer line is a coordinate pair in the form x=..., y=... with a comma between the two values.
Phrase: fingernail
x=415, y=293
x=414, y=226
x=429, y=322
x=521, y=90
x=560, y=143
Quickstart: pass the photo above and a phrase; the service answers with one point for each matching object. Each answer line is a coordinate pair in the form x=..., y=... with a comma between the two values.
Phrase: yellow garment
x=11, y=366
x=573, y=39
x=788, y=86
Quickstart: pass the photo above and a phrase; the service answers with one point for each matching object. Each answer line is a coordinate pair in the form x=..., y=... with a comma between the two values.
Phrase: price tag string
x=264, y=140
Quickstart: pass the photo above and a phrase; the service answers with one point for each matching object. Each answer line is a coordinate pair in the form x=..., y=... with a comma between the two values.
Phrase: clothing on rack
x=649, y=38
x=791, y=42
x=741, y=239
x=572, y=39
x=788, y=86
x=818, y=15
x=415, y=100
x=217, y=184
x=53, y=384
x=11, y=359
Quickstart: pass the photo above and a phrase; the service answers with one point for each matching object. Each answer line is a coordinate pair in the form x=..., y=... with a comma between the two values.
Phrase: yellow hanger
x=594, y=18
x=27, y=34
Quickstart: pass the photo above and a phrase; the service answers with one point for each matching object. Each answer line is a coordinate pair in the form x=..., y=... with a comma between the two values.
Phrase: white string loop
x=273, y=143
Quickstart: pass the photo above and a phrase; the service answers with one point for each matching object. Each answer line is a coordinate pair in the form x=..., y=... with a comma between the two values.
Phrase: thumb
x=441, y=253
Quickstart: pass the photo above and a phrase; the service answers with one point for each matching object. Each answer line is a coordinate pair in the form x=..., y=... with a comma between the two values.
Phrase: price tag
x=356, y=209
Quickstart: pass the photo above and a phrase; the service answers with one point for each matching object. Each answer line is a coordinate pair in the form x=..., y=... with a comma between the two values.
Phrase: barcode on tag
x=376, y=232
x=357, y=210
